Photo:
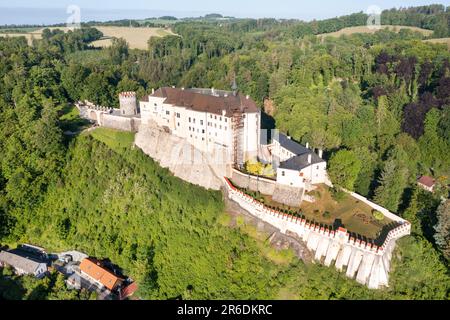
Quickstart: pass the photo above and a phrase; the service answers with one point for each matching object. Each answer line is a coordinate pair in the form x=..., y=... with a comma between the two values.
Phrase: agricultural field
x=440, y=41
x=137, y=38
x=365, y=29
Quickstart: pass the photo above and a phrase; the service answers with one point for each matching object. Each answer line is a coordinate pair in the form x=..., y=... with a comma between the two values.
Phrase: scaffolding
x=238, y=138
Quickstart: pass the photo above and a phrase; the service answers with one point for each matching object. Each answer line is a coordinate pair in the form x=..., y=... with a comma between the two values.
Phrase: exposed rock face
x=180, y=157
x=269, y=107
x=288, y=195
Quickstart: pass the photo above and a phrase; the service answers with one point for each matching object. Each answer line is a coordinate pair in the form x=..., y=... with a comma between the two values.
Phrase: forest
x=377, y=104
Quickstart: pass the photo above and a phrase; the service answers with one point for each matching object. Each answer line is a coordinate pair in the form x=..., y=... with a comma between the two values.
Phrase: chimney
x=307, y=145
x=320, y=153
x=309, y=158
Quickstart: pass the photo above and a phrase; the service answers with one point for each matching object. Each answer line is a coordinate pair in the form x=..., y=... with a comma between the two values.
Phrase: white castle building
x=215, y=122
x=209, y=119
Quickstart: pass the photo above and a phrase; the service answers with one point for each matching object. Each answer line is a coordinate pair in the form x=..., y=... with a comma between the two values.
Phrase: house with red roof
x=427, y=183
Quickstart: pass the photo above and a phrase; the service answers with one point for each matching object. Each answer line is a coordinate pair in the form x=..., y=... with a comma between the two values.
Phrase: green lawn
x=115, y=139
x=353, y=214
x=70, y=119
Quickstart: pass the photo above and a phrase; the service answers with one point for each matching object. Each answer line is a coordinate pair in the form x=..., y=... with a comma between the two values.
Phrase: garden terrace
x=346, y=211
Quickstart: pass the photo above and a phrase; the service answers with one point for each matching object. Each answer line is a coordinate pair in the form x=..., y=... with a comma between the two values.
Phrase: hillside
x=137, y=38
x=440, y=41
x=365, y=29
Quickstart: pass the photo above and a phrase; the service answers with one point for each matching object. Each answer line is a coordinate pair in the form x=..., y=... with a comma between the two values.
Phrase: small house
x=427, y=183
x=93, y=270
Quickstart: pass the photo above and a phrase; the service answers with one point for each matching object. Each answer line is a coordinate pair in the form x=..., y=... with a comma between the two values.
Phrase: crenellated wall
x=367, y=262
x=108, y=117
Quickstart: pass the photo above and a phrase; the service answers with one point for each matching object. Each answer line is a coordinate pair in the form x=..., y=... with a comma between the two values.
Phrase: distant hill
x=137, y=38
x=440, y=41
x=365, y=29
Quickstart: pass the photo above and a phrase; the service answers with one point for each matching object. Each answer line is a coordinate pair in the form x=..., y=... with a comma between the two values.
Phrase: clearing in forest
x=366, y=29
x=137, y=38
x=440, y=41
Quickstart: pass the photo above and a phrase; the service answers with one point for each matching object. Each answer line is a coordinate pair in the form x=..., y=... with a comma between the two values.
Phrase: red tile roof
x=93, y=269
x=200, y=100
x=427, y=181
x=128, y=291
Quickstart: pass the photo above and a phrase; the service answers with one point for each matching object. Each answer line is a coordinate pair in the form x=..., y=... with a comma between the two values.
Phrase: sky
x=300, y=9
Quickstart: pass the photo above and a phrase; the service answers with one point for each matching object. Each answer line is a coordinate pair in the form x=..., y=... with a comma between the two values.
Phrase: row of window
x=220, y=118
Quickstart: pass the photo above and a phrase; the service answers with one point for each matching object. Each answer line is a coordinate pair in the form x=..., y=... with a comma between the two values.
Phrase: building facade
x=23, y=265
x=209, y=119
x=297, y=166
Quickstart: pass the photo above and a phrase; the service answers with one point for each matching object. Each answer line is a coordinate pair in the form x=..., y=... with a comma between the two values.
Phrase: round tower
x=128, y=103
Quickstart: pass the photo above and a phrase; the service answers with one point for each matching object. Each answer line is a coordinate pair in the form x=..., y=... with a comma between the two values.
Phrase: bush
x=377, y=215
x=326, y=214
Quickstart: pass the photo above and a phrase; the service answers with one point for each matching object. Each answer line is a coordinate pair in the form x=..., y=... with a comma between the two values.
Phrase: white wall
x=206, y=131
x=290, y=178
x=252, y=132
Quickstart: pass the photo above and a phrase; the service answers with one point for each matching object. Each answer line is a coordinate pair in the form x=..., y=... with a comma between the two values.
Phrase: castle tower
x=128, y=103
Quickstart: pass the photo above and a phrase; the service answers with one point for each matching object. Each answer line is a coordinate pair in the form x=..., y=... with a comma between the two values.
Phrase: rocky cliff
x=180, y=157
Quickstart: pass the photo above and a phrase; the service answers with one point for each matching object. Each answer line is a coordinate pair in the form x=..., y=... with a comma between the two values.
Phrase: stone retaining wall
x=254, y=183
x=367, y=262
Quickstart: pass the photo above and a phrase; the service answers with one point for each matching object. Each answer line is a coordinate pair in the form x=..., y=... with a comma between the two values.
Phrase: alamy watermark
x=374, y=19
x=74, y=19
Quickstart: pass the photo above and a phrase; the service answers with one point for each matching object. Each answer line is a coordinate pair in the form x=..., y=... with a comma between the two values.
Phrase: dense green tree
x=442, y=235
x=344, y=167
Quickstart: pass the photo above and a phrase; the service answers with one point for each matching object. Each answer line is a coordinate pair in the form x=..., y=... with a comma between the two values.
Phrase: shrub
x=377, y=215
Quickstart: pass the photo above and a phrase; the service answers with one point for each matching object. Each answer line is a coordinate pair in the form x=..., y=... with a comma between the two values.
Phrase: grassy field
x=137, y=38
x=440, y=41
x=365, y=29
x=115, y=139
x=353, y=214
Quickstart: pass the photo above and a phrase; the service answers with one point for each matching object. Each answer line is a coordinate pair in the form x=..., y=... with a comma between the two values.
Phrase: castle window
x=201, y=122
x=189, y=119
x=283, y=173
x=220, y=118
x=178, y=124
x=225, y=128
x=203, y=131
x=226, y=120
x=317, y=167
x=220, y=127
x=215, y=117
x=178, y=115
x=167, y=112
x=193, y=120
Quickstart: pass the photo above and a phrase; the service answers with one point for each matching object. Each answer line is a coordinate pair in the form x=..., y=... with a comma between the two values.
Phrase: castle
x=215, y=122
x=223, y=128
